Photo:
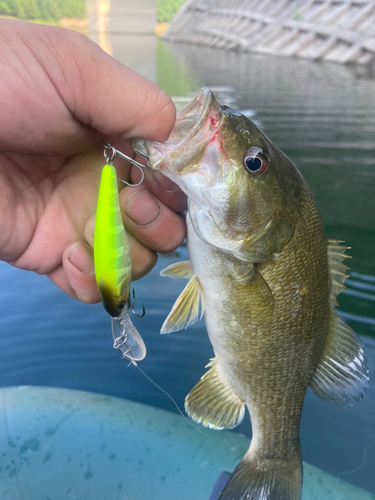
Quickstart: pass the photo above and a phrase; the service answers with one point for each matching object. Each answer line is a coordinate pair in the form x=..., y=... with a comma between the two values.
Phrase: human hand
x=61, y=97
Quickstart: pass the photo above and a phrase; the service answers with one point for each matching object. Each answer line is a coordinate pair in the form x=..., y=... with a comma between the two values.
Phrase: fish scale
x=266, y=278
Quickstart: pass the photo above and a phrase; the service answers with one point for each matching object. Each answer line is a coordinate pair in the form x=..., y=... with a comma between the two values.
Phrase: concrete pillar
x=126, y=30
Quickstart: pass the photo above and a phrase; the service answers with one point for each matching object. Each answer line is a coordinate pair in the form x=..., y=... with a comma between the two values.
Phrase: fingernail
x=142, y=207
x=81, y=258
x=164, y=183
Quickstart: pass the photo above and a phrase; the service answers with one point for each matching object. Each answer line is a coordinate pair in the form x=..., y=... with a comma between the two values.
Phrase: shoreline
x=79, y=24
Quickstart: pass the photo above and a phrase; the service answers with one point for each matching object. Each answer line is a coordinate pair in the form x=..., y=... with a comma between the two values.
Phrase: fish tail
x=271, y=479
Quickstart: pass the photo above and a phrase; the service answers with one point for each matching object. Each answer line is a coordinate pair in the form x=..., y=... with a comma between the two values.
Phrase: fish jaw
x=188, y=128
x=195, y=159
x=193, y=156
x=230, y=208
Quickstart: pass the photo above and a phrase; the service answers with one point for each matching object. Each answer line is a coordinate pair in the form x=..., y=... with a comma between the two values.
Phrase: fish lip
x=197, y=112
x=203, y=100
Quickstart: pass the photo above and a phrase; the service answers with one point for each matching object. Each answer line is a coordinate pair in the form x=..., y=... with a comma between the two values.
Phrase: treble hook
x=142, y=154
x=114, y=152
x=131, y=303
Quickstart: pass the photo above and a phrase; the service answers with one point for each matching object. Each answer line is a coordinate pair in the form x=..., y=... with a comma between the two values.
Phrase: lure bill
x=113, y=267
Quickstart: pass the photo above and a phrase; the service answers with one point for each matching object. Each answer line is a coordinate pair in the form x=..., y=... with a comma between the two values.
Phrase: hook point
x=131, y=304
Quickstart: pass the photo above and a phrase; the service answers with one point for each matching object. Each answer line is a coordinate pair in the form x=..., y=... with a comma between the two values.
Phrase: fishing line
x=173, y=401
x=359, y=466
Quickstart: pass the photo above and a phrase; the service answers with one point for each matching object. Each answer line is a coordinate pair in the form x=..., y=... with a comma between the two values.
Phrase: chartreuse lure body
x=113, y=267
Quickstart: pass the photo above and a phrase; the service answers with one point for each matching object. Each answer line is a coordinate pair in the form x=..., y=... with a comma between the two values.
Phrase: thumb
x=101, y=92
x=118, y=101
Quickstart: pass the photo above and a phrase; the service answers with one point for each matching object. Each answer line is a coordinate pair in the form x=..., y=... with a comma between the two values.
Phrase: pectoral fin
x=181, y=269
x=187, y=309
x=259, y=297
x=342, y=376
x=213, y=403
x=262, y=295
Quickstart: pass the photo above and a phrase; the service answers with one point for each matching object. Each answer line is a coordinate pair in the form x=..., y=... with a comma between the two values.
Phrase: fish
x=112, y=264
x=265, y=278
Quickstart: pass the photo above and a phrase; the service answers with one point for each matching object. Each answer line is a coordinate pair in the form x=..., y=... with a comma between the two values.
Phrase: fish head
x=242, y=190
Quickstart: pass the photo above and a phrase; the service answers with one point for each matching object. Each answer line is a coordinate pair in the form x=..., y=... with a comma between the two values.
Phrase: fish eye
x=255, y=162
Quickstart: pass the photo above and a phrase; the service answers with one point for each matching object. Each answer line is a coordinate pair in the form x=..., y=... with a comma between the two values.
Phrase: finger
x=166, y=190
x=78, y=266
x=129, y=104
x=67, y=87
x=150, y=221
x=34, y=117
x=58, y=277
x=74, y=276
x=143, y=259
x=163, y=188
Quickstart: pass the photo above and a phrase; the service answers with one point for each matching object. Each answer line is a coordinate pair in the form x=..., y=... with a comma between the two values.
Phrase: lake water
x=323, y=117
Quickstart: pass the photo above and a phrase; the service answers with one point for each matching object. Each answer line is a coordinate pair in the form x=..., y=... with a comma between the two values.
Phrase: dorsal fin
x=187, y=309
x=342, y=376
x=336, y=254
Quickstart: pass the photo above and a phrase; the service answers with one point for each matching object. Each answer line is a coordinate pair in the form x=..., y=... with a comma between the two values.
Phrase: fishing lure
x=113, y=264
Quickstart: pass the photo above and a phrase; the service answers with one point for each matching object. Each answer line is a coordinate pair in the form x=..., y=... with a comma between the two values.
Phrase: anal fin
x=213, y=403
x=187, y=309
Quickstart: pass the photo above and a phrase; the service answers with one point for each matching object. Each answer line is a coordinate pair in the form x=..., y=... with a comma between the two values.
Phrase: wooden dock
x=338, y=30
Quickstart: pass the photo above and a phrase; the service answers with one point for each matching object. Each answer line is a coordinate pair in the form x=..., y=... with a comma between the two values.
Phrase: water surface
x=323, y=117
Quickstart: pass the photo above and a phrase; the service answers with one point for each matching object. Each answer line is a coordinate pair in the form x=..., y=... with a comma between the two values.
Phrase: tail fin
x=265, y=480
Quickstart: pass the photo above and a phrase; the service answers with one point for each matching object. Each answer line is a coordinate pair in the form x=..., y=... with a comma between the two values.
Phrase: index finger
x=100, y=93
x=163, y=188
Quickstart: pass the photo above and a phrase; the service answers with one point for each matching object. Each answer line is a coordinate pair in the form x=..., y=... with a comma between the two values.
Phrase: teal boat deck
x=58, y=444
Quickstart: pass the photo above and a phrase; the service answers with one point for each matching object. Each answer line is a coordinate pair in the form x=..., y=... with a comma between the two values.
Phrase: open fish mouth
x=195, y=126
x=191, y=118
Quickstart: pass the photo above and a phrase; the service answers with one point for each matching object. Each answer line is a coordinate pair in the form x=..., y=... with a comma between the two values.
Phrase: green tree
x=166, y=9
x=28, y=9
x=45, y=10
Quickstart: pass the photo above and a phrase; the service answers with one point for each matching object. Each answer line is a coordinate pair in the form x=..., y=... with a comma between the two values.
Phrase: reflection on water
x=320, y=115
x=98, y=17
x=137, y=52
x=125, y=30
